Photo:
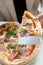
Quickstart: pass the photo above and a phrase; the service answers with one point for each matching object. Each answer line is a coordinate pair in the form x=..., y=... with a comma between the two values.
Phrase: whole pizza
x=12, y=53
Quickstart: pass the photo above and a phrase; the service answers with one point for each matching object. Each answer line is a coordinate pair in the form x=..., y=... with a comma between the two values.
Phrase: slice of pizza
x=30, y=26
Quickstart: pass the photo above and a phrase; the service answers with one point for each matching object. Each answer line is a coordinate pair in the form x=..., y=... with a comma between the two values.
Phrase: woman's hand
x=41, y=20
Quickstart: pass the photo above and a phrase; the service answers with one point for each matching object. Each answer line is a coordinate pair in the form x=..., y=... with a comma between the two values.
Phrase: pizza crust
x=7, y=25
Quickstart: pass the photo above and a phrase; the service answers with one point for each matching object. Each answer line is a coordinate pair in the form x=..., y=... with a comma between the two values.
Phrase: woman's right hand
x=41, y=20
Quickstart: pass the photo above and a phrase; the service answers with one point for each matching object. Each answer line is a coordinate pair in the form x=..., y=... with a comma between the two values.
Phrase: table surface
x=39, y=59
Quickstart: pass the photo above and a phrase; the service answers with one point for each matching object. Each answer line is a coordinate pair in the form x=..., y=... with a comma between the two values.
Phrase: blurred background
x=12, y=10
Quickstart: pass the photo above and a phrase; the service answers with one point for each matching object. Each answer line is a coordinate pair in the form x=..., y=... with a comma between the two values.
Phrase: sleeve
x=8, y=10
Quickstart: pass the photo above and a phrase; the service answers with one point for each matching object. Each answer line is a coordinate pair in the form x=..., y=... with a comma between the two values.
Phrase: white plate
x=29, y=40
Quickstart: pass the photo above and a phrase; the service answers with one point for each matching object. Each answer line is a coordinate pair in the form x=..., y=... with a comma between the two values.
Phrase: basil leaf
x=24, y=31
x=11, y=46
x=10, y=33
